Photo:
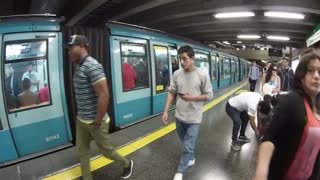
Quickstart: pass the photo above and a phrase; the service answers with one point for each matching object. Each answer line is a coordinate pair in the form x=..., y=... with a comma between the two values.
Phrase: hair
x=275, y=100
x=186, y=49
x=285, y=59
x=267, y=98
x=269, y=72
x=301, y=72
x=26, y=84
x=264, y=106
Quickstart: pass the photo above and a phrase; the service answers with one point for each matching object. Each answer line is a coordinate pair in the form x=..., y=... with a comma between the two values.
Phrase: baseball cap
x=77, y=40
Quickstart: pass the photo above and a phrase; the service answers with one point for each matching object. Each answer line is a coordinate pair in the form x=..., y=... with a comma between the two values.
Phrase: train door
x=130, y=74
x=161, y=70
x=214, y=71
x=8, y=149
x=33, y=97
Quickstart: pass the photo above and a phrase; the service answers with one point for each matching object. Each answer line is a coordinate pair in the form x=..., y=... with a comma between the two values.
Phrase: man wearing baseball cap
x=92, y=99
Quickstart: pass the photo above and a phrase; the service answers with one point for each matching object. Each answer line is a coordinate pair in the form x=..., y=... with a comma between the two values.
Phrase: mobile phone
x=181, y=94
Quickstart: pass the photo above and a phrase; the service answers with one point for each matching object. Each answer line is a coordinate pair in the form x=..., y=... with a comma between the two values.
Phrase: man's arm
x=101, y=90
x=253, y=124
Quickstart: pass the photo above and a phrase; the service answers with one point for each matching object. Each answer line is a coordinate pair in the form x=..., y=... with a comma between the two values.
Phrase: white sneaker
x=178, y=176
x=192, y=162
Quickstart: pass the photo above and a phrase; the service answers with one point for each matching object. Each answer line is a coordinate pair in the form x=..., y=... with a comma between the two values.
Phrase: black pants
x=252, y=84
x=239, y=119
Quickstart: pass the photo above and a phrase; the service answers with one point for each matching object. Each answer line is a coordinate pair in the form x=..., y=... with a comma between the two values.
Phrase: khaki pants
x=102, y=138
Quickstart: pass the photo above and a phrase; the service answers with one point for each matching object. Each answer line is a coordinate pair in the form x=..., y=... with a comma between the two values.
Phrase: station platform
x=156, y=151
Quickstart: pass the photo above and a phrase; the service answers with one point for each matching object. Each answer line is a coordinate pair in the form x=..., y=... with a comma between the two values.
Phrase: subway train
x=37, y=105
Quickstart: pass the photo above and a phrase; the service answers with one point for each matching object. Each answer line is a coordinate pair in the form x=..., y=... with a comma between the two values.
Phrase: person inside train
x=129, y=75
x=254, y=75
x=286, y=75
x=175, y=65
x=13, y=83
x=291, y=146
x=272, y=80
x=44, y=93
x=243, y=109
x=32, y=76
x=190, y=87
x=92, y=100
x=27, y=97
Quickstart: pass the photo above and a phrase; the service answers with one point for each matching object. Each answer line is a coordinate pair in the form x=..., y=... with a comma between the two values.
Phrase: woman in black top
x=291, y=146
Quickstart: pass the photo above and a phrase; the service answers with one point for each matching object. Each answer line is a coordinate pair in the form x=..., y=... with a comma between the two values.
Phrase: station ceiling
x=188, y=18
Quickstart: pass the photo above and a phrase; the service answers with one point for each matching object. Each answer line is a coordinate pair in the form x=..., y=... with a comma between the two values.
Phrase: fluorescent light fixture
x=239, y=42
x=280, y=38
x=243, y=46
x=238, y=49
x=287, y=15
x=234, y=15
x=249, y=36
x=226, y=42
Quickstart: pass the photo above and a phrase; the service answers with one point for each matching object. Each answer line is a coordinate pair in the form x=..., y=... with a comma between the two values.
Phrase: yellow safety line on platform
x=100, y=162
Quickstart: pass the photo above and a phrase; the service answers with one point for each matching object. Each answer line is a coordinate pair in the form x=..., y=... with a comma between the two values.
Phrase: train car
x=31, y=63
x=33, y=59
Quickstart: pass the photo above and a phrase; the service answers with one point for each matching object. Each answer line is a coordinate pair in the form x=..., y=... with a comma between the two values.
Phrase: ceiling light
x=226, y=42
x=284, y=15
x=249, y=36
x=234, y=15
x=281, y=38
x=239, y=42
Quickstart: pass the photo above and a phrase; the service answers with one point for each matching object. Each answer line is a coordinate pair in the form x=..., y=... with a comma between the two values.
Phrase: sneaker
x=235, y=145
x=244, y=139
x=127, y=172
x=178, y=176
x=192, y=162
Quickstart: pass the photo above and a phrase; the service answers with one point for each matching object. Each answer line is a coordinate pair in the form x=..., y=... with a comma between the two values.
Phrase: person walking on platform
x=190, y=86
x=253, y=76
x=242, y=109
x=291, y=146
x=92, y=99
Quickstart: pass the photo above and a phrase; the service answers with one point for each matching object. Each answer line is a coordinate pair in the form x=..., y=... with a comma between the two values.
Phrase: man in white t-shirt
x=32, y=76
x=242, y=109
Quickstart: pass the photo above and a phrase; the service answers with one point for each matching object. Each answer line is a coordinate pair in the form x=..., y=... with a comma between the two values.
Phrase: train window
x=214, y=67
x=161, y=68
x=26, y=50
x=26, y=71
x=135, y=74
x=173, y=57
x=226, y=64
x=202, y=61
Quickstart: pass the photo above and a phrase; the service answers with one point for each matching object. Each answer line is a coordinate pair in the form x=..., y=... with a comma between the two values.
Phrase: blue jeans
x=188, y=134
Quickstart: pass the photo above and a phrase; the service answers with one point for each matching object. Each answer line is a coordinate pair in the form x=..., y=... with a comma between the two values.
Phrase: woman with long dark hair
x=291, y=146
x=272, y=80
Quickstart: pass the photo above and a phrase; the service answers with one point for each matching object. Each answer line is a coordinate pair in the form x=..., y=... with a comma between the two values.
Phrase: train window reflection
x=135, y=74
x=25, y=50
x=214, y=67
x=202, y=61
x=26, y=85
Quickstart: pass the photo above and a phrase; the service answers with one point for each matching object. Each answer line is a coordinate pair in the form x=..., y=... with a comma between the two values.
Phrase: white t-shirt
x=247, y=101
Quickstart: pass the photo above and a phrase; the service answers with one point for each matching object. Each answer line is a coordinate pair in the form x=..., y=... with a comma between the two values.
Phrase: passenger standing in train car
x=33, y=76
x=253, y=76
x=175, y=65
x=286, y=75
x=191, y=87
x=92, y=99
x=13, y=83
x=243, y=109
x=27, y=97
x=291, y=146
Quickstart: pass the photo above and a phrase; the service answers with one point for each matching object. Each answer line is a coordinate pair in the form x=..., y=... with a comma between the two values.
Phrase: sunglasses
x=274, y=69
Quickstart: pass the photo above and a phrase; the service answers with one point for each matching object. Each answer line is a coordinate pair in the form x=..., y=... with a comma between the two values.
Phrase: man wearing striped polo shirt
x=92, y=99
